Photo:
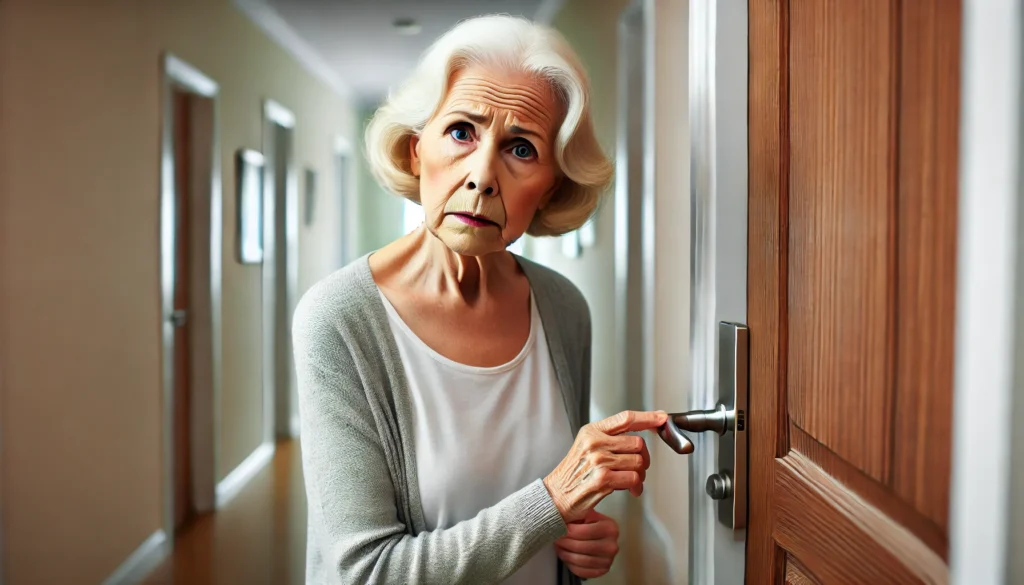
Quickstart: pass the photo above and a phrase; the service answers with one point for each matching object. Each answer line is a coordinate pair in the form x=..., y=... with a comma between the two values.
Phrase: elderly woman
x=444, y=382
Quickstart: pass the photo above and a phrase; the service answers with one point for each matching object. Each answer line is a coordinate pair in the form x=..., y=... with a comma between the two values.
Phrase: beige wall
x=79, y=148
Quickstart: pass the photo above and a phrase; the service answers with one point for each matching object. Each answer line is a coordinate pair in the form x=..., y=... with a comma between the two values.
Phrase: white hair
x=518, y=45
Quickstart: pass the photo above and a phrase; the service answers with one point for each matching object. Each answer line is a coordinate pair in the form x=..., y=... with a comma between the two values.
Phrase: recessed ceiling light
x=406, y=26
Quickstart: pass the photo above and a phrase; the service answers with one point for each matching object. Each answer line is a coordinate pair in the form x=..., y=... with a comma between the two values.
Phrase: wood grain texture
x=796, y=574
x=841, y=245
x=929, y=119
x=842, y=539
x=766, y=278
x=876, y=494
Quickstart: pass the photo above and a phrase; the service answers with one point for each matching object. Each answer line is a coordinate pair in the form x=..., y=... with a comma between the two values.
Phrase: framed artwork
x=310, y=202
x=249, y=205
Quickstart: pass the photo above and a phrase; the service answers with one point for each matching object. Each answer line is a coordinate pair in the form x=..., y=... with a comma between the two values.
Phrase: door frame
x=989, y=240
x=718, y=260
x=181, y=76
x=343, y=178
x=277, y=424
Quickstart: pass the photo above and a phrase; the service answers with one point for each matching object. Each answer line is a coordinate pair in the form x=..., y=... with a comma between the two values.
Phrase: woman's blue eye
x=460, y=134
x=522, y=151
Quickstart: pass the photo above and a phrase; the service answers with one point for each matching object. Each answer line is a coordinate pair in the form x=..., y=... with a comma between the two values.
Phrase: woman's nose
x=481, y=176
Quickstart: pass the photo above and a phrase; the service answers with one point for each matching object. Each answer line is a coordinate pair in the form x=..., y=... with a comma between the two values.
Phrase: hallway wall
x=380, y=211
x=80, y=115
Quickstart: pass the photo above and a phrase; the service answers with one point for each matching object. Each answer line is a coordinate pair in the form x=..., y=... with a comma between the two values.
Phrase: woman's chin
x=466, y=244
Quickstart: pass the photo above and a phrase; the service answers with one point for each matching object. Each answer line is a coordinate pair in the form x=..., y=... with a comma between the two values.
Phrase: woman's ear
x=414, y=155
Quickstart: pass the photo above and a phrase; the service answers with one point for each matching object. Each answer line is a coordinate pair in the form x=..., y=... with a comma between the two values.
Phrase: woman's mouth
x=474, y=220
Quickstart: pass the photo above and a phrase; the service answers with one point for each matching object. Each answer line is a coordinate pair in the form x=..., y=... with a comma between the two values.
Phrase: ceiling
x=357, y=40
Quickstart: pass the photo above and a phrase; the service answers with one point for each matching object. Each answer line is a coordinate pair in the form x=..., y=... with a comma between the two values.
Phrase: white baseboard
x=145, y=558
x=229, y=487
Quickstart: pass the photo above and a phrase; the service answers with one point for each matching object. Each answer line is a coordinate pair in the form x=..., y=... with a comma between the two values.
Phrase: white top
x=482, y=434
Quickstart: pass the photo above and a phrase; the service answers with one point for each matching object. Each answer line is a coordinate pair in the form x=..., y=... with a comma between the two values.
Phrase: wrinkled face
x=486, y=160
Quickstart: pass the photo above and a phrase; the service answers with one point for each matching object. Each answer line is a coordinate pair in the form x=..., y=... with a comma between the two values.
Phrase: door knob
x=178, y=318
x=719, y=485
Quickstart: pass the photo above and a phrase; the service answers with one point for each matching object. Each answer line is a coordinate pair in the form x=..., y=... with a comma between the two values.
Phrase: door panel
x=840, y=194
x=183, y=504
x=851, y=284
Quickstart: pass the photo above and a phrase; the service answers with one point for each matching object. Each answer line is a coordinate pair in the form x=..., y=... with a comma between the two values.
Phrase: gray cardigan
x=366, y=521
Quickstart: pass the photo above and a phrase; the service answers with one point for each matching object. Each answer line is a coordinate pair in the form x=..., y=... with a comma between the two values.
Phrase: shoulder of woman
x=558, y=290
x=335, y=307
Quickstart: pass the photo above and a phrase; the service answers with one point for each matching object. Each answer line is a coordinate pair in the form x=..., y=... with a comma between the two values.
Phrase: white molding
x=229, y=487
x=278, y=114
x=990, y=154
x=184, y=74
x=279, y=31
x=138, y=565
x=547, y=11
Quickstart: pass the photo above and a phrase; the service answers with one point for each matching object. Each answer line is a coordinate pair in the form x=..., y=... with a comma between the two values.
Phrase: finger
x=585, y=573
x=620, y=443
x=595, y=516
x=585, y=561
x=605, y=547
x=618, y=480
x=638, y=489
x=631, y=420
x=619, y=462
x=603, y=530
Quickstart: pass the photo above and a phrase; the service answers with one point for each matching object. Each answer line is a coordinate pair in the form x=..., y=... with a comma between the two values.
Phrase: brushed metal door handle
x=728, y=420
x=717, y=420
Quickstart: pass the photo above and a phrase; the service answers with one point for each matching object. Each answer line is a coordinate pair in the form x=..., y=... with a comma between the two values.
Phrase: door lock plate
x=733, y=378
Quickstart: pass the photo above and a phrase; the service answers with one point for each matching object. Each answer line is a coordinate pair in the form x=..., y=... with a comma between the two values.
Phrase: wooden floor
x=258, y=538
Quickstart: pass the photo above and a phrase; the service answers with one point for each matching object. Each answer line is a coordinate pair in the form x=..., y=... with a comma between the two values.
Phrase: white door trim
x=990, y=158
x=718, y=269
x=274, y=393
x=180, y=75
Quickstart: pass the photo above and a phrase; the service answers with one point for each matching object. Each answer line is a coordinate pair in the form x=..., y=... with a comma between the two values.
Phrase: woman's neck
x=421, y=262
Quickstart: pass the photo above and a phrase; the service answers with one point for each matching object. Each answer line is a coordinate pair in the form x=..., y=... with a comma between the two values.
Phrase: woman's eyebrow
x=478, y=118
x=481, y=119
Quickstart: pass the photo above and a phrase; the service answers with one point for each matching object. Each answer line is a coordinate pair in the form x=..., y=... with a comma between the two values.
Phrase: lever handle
x=675, y=438
x=717, y=420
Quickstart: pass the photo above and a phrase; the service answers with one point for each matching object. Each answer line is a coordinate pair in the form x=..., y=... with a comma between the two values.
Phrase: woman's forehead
x=518, y=98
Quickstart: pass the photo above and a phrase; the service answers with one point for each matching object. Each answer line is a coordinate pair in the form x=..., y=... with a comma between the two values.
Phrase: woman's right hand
x=601, y=462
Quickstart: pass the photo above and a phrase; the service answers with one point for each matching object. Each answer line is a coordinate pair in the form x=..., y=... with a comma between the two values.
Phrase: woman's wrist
x=561, y=501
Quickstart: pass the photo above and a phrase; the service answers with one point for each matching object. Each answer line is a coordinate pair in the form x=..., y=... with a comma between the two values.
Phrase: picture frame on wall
x=249, y=205
x=310, y=199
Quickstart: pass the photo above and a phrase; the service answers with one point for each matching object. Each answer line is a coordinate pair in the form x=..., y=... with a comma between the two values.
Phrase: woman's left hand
x=590, y=546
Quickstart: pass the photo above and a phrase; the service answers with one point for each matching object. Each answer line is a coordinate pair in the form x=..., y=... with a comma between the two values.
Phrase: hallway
x=259, y=538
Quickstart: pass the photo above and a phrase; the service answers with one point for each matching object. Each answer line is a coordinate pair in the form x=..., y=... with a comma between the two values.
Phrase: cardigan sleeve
x=355, y=532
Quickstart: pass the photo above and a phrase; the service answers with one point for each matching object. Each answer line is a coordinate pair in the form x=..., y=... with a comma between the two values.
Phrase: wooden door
x=183, y=502
x=851, y=275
